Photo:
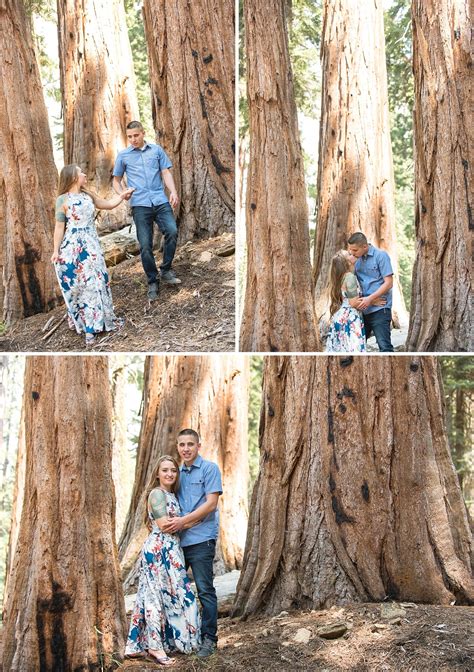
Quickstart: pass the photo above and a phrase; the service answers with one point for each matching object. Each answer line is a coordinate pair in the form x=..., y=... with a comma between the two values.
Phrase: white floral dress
x=81, y=268
x=165, y=615
x=346, y=331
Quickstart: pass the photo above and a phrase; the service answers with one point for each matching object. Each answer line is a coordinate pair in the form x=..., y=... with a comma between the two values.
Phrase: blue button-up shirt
x=371, y=269
x=195, y=482
x=143, y=167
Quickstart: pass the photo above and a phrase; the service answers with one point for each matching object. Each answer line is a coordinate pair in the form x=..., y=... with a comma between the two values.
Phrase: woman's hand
x=125, y=195
x=55, y=257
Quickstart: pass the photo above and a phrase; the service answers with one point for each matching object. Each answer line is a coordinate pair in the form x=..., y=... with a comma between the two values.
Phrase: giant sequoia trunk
x=27, y=174
x=64, y=608
x=442, y=300
x=208, y=394
x=357, y=497
x=278, y=311
x=98, y=87
x=191, y=60
x=355, y=171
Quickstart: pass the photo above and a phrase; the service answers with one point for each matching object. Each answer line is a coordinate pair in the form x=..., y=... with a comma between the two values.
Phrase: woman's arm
x=102, y=204
x=60, y=214
x=57, y=239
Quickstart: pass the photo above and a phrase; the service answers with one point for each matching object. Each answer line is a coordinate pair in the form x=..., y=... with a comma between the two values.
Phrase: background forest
x=88, y=70
x=304, y=33
x=126, y=384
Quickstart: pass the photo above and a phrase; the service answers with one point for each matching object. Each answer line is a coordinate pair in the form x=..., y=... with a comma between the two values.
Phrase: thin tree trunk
x=28, y=175
x=191, y=60
x=208, y=394
x=65, y=607
x=442, y=298
x=355, y=171
x=357, y=498
x=278, y=312
x=99, y=96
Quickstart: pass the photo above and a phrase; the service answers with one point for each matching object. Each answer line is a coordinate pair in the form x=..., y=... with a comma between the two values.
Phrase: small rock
x=265, y=632
x=205, y=257
x=237, y=644
x=378, y=627
x=332, y=631
x=226, y=251
x=391, y=610
x=302, y=636
x=395, y=621
x=282, y=614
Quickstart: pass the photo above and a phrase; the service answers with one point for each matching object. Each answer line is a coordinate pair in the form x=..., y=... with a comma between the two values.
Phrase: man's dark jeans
x=144, y=217
x=200, y=558
x=378, y=323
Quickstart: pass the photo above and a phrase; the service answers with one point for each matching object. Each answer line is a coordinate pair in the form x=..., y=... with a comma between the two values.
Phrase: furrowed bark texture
x=191, y=61
x=355, y=172
x=65, y=608
x=278, y=312
x=210, y=396
x=28, y=175
x=442, y=298
x=99, y=97
x=357, y=498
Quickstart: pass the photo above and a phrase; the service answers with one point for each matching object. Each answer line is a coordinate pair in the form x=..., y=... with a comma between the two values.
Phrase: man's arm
x=177, y=524
x=119, y=186
x=367, y=301
x=169, y=182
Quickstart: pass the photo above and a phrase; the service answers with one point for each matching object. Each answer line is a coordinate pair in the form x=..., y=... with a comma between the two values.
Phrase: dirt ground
x=196, y=316
x=428, y=638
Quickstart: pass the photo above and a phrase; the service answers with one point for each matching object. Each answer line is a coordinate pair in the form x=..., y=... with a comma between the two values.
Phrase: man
x=375, y=275
x=147, y=167
x=198, y=495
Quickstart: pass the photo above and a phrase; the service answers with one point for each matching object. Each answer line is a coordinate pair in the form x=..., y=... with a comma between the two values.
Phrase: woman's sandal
x=90, y=340
x=162, y=660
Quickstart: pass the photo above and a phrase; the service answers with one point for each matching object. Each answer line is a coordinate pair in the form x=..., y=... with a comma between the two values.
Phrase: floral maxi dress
x=165, y=615
x=346, y=331
x=81, y=268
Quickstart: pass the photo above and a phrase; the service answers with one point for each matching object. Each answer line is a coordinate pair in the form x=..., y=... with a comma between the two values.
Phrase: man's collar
x=142, y=149
x=197, y=463
x=370, y=251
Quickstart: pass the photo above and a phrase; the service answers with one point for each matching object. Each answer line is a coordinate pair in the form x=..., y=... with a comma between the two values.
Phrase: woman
x=165, y=616
x=78, y=258
x=346, y=330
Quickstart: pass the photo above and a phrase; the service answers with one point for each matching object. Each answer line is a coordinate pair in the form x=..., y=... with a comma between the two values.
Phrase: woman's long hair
x=155, y=481
x=339, y=267
x=67, y=177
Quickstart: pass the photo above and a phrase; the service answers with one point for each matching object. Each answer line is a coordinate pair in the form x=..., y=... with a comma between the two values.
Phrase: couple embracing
x=77, y=254
x=184, y=524
x=361, y=281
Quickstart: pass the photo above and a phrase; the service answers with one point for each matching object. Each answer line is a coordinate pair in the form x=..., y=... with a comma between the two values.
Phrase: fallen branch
x=50, y=333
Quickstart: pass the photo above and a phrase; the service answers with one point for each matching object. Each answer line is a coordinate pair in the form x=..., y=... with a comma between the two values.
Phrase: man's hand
x=127, y=194
x=174, y=199
x=173, y=525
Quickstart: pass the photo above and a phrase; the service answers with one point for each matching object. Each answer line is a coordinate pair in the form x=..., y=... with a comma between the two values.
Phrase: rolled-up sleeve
x=119, y=167
x=385, y=265
x=163, y=159
x=212, y=480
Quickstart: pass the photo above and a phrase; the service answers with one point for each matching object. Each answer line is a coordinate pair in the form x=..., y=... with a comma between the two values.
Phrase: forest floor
x=420, y=638
x=195, y=316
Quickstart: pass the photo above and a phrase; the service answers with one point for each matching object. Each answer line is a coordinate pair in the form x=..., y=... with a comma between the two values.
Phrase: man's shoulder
x=124, y=152
x=378, y=252
x=208, y=465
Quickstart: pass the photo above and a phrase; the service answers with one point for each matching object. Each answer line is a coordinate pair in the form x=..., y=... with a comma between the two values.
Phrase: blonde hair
x=339, y=267
x=155, y=481
x=67, y=177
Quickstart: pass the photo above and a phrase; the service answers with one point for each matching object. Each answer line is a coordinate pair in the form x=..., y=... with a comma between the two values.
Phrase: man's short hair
x=134, y=124
x=190, y=432
x=357, y=239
